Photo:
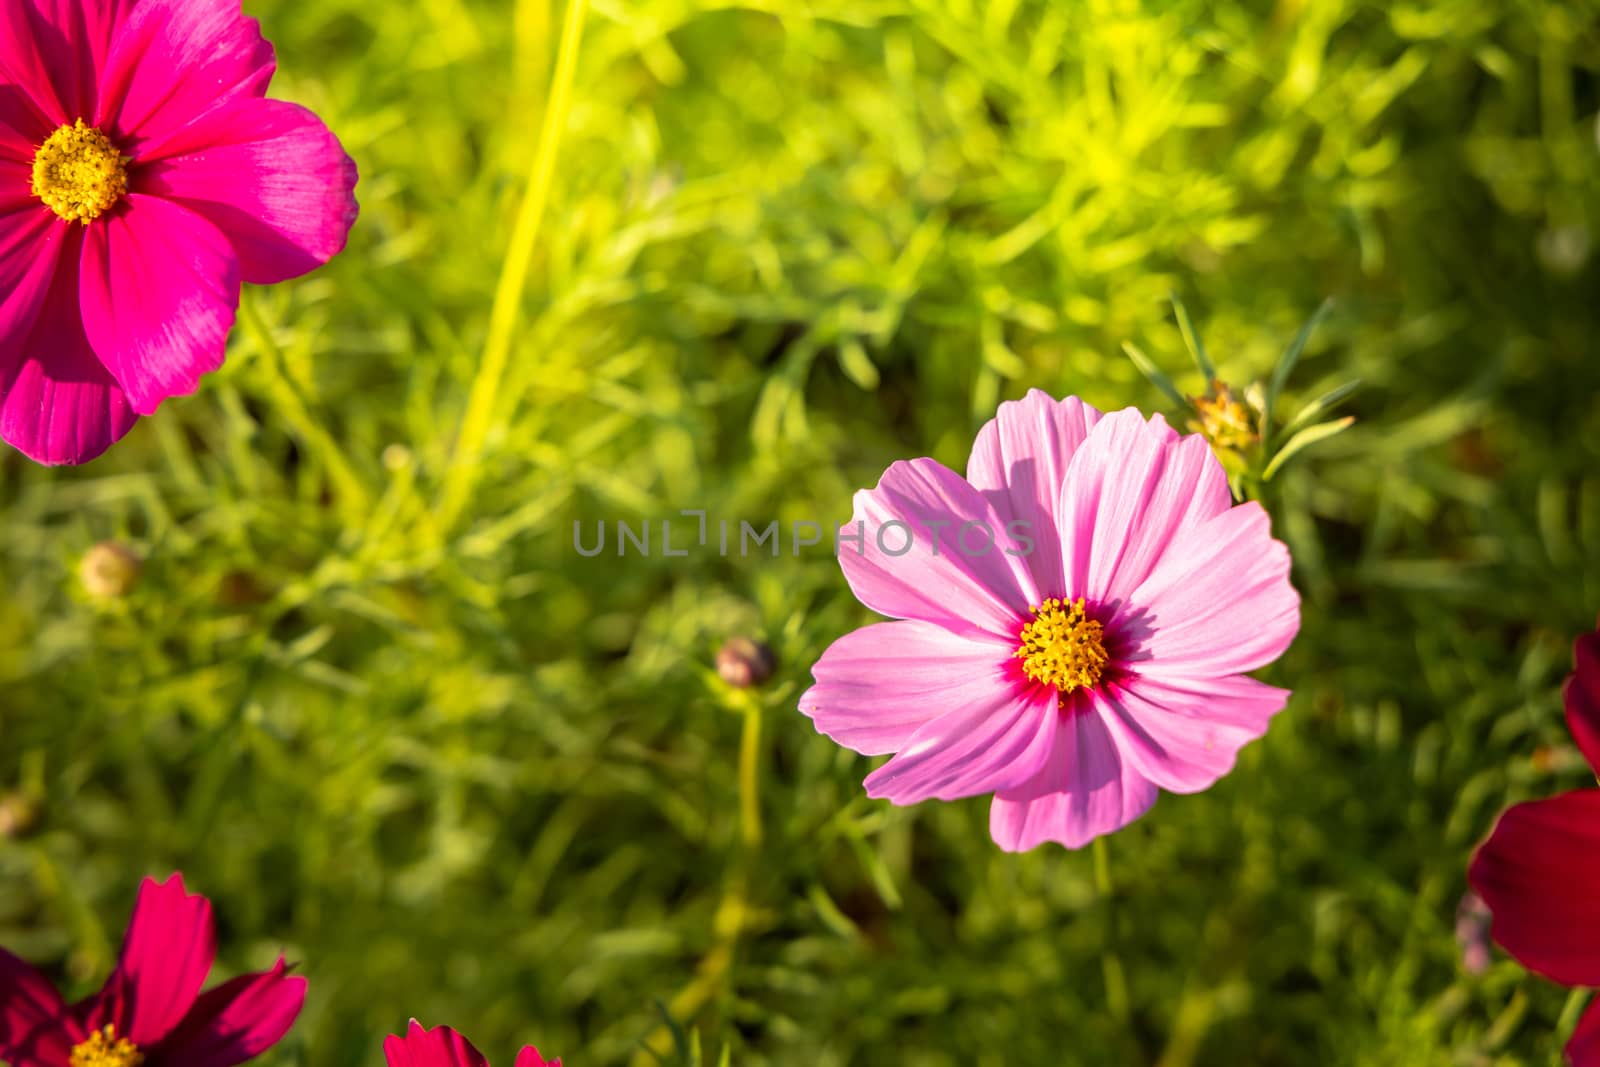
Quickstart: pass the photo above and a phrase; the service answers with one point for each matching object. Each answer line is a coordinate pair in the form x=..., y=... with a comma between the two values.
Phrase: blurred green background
x=463, y=773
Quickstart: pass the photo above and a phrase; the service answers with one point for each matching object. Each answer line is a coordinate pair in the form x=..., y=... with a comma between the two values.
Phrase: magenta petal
x=270, y=176
x=1582, y=695
x=237, y=1021
x=172, y=61
x=529, y=1057
x=57, y=402
x=1083, y=789
x=1183, y=736
x=74, y=37
x=166, y=955
x=16, y=192
x=1584, y=1048
x=35, y=1030
x=439, y=1047
x=906, y=569
x=995, y=741
x=1130, y=490
x=1019, y=461
x=878, y=685
x=1539, y=873
x=160, y=287
x=29, y=97
x=1218, y=603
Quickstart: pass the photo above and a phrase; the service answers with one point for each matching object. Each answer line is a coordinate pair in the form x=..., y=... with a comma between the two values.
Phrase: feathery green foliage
x=463, y=773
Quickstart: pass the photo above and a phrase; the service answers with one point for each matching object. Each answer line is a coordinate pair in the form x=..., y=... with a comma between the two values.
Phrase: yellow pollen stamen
x=1062, y=646
x=79, y=173
x=1224, y=421
x=105, y=1049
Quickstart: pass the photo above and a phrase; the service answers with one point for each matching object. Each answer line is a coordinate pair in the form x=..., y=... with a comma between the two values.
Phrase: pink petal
x=1130, y=490
x=439, y=1047
x=21, y=131
x=1539, y=872
x=996, y=740
x=172, y=61
x=907, y=570
x=74, y=37
x=270, y=176
x=1183, y=736
x=35, y=1030
x=237, y=1021
x=29, y=96
x=1584, y=1048
x=166, y=955
x=1582, y=695
x=57, y=402
x=1218, y=603
x=1083, y=789
x=16, y=190
x=159, y=290
x=878, y=685
x=529, y=1057
x=1019, y=461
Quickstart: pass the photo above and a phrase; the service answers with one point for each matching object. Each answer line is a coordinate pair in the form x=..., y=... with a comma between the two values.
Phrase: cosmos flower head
x=150, y=1012
x=1539, y=871
x=143, y=177
x=443, y=1047
x=1079, y=667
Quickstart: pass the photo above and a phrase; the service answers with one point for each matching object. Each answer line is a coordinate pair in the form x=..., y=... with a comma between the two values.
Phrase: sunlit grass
x=383, y=713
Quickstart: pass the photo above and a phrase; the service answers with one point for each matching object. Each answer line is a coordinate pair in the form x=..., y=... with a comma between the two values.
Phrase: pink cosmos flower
x=142, y=177
x=1076, y=675
x=1539, y=871
x=443, y=1047
x=151, y=1012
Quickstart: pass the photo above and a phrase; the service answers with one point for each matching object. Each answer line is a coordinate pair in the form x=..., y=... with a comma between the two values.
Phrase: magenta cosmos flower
x=1539, y=872
x=142, y=177
x=1077, y=668
x=151, y=1012
x=443, y=1047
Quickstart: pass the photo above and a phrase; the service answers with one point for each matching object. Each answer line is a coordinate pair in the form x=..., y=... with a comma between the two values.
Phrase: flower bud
x=18, y=814
x=743, y=663
x=109, y=570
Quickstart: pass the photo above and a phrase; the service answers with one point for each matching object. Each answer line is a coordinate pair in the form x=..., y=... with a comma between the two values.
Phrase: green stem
x=286, y=398
x=1569, y=1018
x=513, y=277
x=750, y=777
x=1110, y=961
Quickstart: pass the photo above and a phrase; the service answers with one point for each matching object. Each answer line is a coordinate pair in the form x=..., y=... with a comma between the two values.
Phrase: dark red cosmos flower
x=1539, y=872
x=150, y=1013
x=443, y=1047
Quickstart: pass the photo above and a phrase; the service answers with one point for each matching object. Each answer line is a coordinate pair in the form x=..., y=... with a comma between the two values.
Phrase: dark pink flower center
x=78, y=173
x=1062, y=646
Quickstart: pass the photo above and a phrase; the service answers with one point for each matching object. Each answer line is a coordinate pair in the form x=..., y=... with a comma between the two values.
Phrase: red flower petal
x=529, y=1057
x=1539, y=872
x=236, y=1021
x=1584, y=1048
x=166, y=955
x=439, y=1047
x=159, y=290
x=34, y=1025
x=1582, y=695
x=270, y=176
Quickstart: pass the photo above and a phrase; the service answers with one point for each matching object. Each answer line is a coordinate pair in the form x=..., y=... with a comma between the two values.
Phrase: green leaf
x=1148, y=368
x=1286, y=362
x=1304, y=439
x=1324, y=403
x=1191, y=337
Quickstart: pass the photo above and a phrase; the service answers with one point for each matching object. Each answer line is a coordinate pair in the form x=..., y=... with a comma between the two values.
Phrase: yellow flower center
x=1062, y=646
x=79, y=173
x=105, y=1049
